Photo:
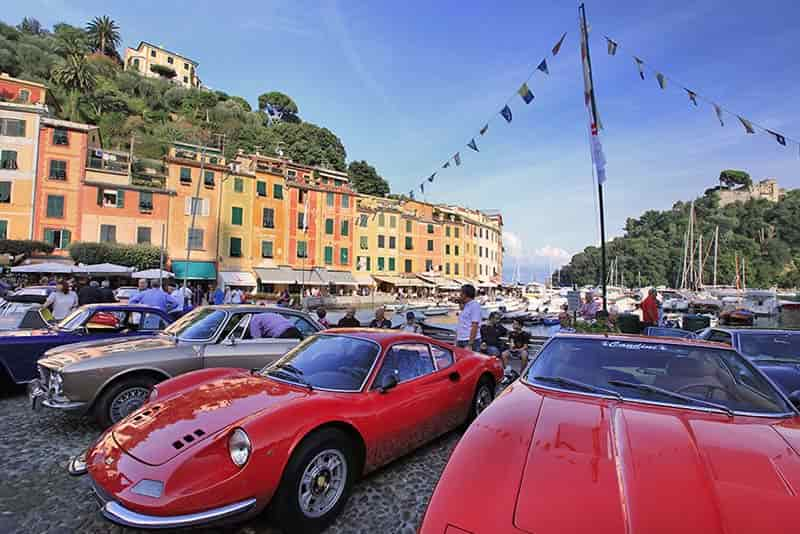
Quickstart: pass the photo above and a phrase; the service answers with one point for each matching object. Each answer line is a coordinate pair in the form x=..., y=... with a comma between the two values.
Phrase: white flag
x=599, y=159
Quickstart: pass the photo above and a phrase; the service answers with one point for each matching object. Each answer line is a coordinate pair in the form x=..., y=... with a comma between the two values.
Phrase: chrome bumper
x=115, y=512
x=39, y=396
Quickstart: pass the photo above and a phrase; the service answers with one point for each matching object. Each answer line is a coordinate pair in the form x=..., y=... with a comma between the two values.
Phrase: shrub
x=161, y=70
x=24, y=246
x=139, y=257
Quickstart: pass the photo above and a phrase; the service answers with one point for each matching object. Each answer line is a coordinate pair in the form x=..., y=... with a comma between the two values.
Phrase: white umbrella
x=107, y=269
x=44, y=268
x=152, y=274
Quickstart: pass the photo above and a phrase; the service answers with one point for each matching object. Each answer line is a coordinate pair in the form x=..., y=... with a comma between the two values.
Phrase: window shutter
x=206, y=207
x=48, y=237
x=187, y=208
x=120, y=198
x=99, y=196
x=66, y=237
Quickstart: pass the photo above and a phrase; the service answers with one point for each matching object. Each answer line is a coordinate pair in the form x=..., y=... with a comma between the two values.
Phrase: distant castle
x=767, y=189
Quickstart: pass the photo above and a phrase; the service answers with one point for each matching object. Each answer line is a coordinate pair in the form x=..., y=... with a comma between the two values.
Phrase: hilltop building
x=765, y=189
x=144, y=57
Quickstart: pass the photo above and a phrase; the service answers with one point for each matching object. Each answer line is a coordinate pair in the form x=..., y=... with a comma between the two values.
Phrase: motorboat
x=763, y=303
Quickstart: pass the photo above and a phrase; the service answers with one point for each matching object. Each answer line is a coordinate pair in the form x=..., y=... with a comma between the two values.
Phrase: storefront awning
x=194, y=270
x=238, y=278
x=399, y=281
x=289, y=276
x=337, y=278
x=364, y=280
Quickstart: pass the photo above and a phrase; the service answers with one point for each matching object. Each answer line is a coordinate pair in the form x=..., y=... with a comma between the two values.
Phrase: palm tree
x=74, y=74
x=104, y=35
x=30, y=25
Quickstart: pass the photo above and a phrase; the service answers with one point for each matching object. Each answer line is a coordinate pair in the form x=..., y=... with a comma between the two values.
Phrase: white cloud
x=557, y=254
x=513, y=245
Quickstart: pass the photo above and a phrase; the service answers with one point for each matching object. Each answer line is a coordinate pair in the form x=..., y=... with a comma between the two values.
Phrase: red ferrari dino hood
x=606, y=467
x=162, y=430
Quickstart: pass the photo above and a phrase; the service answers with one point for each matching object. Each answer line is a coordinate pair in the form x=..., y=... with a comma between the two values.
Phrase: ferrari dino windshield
x=688, y=375
x=340, y=363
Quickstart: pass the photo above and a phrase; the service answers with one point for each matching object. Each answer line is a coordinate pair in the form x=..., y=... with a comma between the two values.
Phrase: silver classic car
x=110, y=379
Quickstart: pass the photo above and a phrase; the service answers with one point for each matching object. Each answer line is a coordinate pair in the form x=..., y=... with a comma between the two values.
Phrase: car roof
x=645, y=339
x=125, y=307
x=255, y=308
x=381, y=336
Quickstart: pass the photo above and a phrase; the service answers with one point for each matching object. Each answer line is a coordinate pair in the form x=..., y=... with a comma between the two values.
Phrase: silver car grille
x=44, y=376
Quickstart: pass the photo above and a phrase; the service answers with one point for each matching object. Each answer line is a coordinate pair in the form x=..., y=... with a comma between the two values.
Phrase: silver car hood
x=61, y=357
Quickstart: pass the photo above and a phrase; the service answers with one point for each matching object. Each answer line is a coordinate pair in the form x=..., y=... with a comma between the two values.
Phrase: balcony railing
x=102, y=160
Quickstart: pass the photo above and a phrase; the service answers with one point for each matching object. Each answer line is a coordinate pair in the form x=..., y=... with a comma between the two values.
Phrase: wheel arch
x=152, y=372
x=348, y=429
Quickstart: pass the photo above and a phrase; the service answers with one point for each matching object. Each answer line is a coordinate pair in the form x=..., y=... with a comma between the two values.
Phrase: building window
x=345, y=201
x=455, y=268
x=392, y=265
x=235, y=247
x=145, y=201
x=236, y=215
x=152, y=53
x=5, y=192
x=238, y=185
x=261, y=188
x=301, y=196
x=381, y=241
x=345, y=227
x=277, y=191
x=58, y=169
x=195, y=239
x=456, y=230
x=24, y=96
x=12, y=127
x=328, y=255
x=409, y=226
x=8, y=160
x=186, y=175
x=60, y=136
x=329, y=226
x=291, y=173
x=111, y=198
x=136, y=63
x=344, y=256
x=301, y=221
x=430, y=229
x=268, y=218
x=363, y=221
x=408, y=266
x=392, y=222
x=170, y=60
x=409, y=243
x=266, y=249
x=392, y=242
x=456, y=250
x=143, y=235
x=3, y=229
x=381, y=219
x=381, y=264
x=447, y=231
x=185, y=79
x=185, y=66
x=428, y=266
x=208, y=178
x=194, y=206
x=58, y=238
x=430, y=245
x=363, y=263
x=55, y=206
x=446, y=268
x=302, y=249
x=330, y=199
x=108, y=233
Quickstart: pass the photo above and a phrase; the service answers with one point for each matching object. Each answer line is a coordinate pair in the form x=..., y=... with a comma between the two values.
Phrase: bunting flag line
x=543, y=67
x=526, y=94
x=557, y=47
x=457, y=158
x=422, y=188
x=506, y=113
x=431, y=177
x=747, y=125
x=446, y=164
x=662, y=81
x=612, y=47
x=483, y=130
x=639, y=63
x=692, y=96
x=411, y=194
x=778, y=137
x=718, y=111
x=473, y=145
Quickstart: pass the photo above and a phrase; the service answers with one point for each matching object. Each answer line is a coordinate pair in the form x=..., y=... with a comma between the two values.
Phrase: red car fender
x=482, y=477
x=192, y=379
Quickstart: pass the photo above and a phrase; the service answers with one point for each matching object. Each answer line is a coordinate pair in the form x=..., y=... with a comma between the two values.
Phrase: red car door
x=455, y=397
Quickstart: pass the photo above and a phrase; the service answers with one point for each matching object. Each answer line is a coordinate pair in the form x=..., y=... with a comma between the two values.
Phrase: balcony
x=149, y=173
x=107, y=160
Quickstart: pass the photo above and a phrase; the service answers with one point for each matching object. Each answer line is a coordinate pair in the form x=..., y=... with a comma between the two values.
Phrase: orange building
x=422, y=238
x=270, y=231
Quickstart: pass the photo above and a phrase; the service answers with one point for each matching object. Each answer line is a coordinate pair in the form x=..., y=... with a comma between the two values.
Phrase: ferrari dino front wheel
x=316, y=482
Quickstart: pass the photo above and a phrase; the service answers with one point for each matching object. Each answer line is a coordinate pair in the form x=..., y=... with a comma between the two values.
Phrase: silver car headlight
x=239, y=447
x=56, y=383
x=153, y=395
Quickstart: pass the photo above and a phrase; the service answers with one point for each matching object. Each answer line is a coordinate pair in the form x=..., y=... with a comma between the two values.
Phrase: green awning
x=197, y=270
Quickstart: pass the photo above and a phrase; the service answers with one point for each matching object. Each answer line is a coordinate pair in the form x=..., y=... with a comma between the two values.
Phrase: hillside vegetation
x=766, y=234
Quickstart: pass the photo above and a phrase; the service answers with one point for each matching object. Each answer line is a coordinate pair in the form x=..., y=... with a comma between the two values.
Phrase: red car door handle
x=454, y=376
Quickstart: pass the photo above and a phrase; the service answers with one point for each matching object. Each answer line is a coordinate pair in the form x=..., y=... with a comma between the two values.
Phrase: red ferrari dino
x=221, y=444
x=627, y=434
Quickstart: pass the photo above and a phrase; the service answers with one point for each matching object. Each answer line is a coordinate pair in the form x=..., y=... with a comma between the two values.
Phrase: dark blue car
x=776, y=352
x=20, y=349
x=662, y=331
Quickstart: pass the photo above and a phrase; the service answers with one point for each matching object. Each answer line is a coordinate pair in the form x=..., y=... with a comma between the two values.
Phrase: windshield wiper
x=578, y=384
x=290, y=367
x=667, y=393
x=285, y=371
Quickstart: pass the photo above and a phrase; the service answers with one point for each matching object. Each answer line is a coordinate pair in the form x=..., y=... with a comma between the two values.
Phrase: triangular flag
x=422, y=188
x=473, y=145
x=446, y=164
x=747, y=125
x=612, y=47
x=457, y=158
x=543, y=67
x=506, y=113
x=483, y=130
x=411, y=194
x=639, y=64
x=778, y=137
x=718, y=111
x=525, y=92
x=557, y=47
x=430, y=178
x=692, y=96
x=662, y=81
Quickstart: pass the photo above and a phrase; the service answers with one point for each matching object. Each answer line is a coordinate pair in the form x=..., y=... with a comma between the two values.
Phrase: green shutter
x=277, y=191
x=391, y=264
x=3, y=229
x=236, y=247
x=238, y=185
x=381, y=262
x=369, y=263
x=120, y=199
x=261, y=188
x=329, y=199
x=364, y=242
x=344, y=256
x=328, y=255
x=345, y=227
x=266, y=249
x=99, y=196
x=49, y=237
x=329, y=226
x=301, y=249
x=236, y=216
x=66, y=237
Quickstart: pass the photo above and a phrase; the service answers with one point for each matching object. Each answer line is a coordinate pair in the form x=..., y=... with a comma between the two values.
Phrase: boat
x=763, y=303
x=737, y=317
x=436, y=311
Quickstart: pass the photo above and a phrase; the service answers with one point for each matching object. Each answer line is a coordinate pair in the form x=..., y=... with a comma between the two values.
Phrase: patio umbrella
x=104, y=269
x=44, y=268
x=152, y=274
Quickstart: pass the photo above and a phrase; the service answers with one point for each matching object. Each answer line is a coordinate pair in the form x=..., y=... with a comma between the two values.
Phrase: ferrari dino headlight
x=239, y=447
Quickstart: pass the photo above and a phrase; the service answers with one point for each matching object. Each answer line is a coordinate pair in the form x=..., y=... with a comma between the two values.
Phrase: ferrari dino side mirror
x=794, y=396
x=388, y=382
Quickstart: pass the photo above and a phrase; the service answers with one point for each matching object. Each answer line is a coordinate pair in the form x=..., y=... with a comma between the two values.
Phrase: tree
x=366, y=180
x=30, y=25
x=308, y=144
x=281, y=105
x=74, y=74
x=163, y=70
x=104, y=35
x=735, y=179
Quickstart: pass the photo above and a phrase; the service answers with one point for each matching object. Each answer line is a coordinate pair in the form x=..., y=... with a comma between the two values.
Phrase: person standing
x=411, y=325
x=61, y=302
x=89, y=293
x=380, y=320
x=106, y=293
x=218, y=296
x=588, y=310
x=236, y=296
x=650, y=309
x=321, y=317
x=469, y=320
x=156, y=297
x=349, y=320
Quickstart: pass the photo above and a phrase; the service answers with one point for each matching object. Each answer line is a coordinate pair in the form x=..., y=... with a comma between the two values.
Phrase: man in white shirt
x=468, y=332
x=236, y=296
x=184, y=296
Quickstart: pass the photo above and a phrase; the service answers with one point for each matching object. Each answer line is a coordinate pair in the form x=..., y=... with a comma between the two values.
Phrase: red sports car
x=627, y=434
x=221, y=444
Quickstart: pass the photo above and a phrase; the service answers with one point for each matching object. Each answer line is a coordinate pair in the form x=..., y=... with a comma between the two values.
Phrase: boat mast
x=716, y=251
x=700, y=262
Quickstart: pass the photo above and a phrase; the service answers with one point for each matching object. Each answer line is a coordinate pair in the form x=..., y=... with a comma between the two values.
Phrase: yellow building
x=270, y=230
x=377, y=236
x=143, y=58
x=236, y=224
x=22, y=106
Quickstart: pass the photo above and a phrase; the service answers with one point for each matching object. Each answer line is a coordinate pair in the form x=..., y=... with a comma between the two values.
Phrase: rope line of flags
x=524, y=92
x=750, y=127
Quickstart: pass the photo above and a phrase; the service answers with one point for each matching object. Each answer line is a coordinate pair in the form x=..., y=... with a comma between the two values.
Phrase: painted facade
x=142, y=58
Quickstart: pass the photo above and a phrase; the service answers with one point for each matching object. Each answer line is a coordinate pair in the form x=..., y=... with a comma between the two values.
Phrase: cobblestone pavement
x=38, y=496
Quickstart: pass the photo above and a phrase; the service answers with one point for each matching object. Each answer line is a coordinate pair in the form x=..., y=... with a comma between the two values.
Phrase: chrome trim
x=66, y=406
x=115, y=512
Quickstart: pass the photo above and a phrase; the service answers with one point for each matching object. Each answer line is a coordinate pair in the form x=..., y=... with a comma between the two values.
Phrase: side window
x=720, y=337
x=442, y=357
x=232, y=323
x=405, y=362
x=152, y=321
x=104, y=321
x=242, y=328
x=301, y=324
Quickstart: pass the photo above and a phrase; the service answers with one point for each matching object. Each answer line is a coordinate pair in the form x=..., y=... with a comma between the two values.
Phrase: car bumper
x=39, y=397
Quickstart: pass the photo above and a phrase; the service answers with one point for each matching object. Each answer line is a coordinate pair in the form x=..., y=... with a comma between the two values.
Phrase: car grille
x=44, y=376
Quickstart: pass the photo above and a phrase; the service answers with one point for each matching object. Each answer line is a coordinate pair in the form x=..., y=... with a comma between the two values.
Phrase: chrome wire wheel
x=483, y=398
x=322, y=483
x=126, y=401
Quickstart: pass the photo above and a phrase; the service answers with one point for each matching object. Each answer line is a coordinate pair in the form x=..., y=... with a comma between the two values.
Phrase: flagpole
x=595, y=125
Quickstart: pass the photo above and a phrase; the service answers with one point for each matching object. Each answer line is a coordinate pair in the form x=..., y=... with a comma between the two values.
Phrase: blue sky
x=407, y=84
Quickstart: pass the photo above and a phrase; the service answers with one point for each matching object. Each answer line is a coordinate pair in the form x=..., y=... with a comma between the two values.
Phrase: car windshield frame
x=79, y=313
x=765, y=357
x=281, y=363
x=528, y=377
x=188, y=319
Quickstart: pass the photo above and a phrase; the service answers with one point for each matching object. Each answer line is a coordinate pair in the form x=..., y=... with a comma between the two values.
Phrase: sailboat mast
x=700, y=262
x=716, y=252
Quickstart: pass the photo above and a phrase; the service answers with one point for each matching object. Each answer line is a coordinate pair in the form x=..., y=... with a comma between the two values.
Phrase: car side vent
x=199, y=433
x=177, y=444
x=188, y=438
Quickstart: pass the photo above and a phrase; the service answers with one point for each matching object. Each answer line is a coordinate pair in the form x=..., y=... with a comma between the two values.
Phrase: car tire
x=121, y=398
x=484, y=395
x=328, y=447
